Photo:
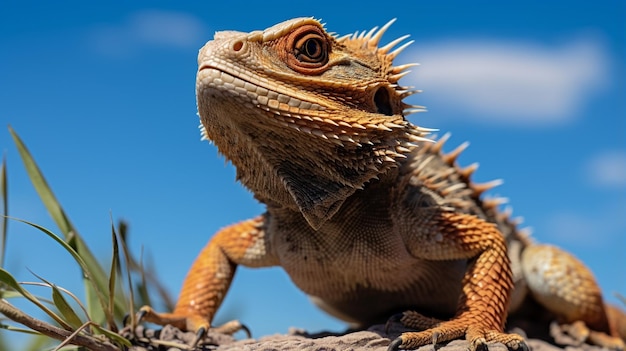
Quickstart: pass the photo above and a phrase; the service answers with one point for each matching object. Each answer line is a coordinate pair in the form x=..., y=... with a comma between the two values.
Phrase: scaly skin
x=363, y=212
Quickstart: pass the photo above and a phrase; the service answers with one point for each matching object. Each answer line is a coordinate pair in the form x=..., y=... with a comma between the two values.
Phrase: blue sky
x=103, y=95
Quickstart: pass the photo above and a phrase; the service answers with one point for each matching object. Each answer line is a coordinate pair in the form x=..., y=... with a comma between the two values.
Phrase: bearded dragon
x=367, y=215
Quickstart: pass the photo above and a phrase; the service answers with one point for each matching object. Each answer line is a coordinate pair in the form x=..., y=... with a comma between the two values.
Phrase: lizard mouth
x=250, y=89
x=288, y=111
x=292, y=112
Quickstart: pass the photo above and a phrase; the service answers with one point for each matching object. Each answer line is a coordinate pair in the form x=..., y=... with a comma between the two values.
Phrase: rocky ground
x=541, y=336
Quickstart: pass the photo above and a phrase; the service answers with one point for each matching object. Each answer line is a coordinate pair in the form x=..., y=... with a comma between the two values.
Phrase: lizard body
x=364, y=213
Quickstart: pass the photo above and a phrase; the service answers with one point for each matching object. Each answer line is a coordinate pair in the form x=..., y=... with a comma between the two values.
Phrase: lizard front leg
x=486, y=285
x=210, y=275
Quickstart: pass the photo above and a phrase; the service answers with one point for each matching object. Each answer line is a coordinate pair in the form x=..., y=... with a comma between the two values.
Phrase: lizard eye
x=310, y=48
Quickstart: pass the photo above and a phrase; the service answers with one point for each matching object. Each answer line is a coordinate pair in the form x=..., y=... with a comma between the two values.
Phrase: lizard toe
x=418, y=321
x=511, y=340
x=606, y=341
x=396, y=318
x=479, y=337
x=478, y=344
x=232, y=327
x=413, y=340
x=183, y=321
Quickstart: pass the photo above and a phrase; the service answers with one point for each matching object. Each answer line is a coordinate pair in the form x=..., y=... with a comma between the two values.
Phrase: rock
x=372, y=339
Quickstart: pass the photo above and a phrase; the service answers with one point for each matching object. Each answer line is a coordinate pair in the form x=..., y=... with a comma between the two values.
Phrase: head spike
x=401, y=68
x=508, y=211
x=426, y=130
x=393, y=125
x=480, y=188
x=492, y=203
x=451, y=157
x=402, y=149
x=419, y=138
x=203, y=133
x=416, y=106
x=467, y=172
x=397, y=51
x=373, y=42
x=452, y=188
x=406, y=93
x=439, y=144
x=525, y=236
x=411, y=111
x=369, y=34
x=396, y=77
x=517, y=220
x=393, y=43
x=344, y=37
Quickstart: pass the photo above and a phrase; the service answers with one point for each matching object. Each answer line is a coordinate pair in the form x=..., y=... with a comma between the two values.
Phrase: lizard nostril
x=237, y=46
x=382, y=102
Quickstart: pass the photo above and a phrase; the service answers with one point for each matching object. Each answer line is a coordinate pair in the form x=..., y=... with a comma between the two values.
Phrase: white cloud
x=148, y=28
x=512, y=81
x=570, y=226
x=608, y=169
x=166, y=28
x=586, y=229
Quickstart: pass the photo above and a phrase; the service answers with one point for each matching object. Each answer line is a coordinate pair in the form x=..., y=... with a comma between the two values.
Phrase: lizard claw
x=139, y=316
x=580, y=333
x=479, y=336
x=395, y=344
x=436, y=336
x=126, y=319
x=189, y=322
x=398, y=343
x=247, y=331
x=201, y=333
x=479, y=344
x=228, y=328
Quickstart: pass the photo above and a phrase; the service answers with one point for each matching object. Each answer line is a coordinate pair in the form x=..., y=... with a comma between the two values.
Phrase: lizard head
x=307, y=118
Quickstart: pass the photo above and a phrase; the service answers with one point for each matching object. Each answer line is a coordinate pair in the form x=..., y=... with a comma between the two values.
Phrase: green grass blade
x=52, y=204
x=96, y=271
x=113, y=277
x=115, y=337
x=61, y=304
x=94, y=307
x=19, y=330
x=42, y=187
x=66, y=310
x=10, y=294
x=127, y=259
x=65, y=291
x=61, y=242
x=5, y=209
x=87, y=271
x=8, y=279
